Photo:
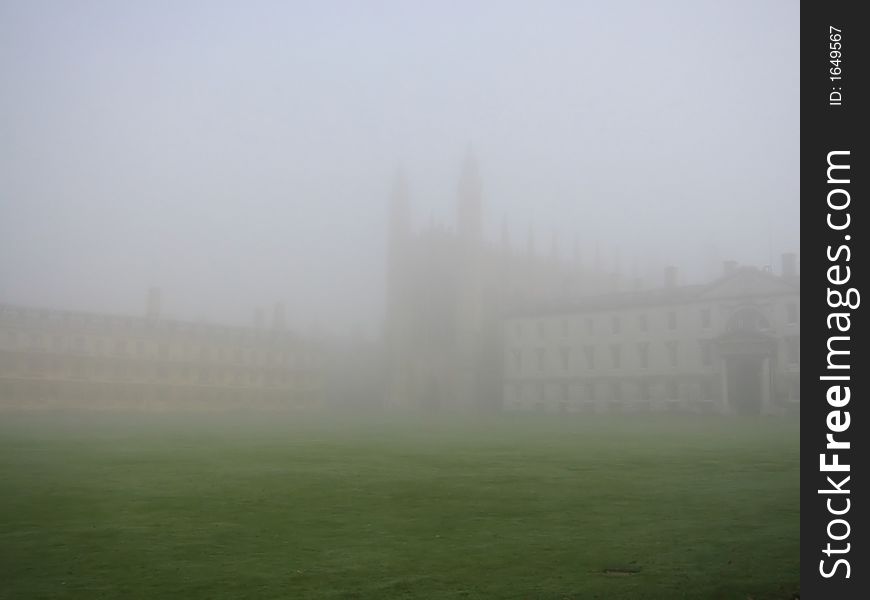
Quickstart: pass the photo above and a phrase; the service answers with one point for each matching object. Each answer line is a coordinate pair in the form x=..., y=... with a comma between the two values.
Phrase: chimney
x=789, y=264
x=278, y=317
x=728, y=267
x=152, y=304
x=670, y=277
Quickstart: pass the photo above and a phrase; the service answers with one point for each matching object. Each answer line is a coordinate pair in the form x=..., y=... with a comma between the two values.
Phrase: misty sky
x=239, y=153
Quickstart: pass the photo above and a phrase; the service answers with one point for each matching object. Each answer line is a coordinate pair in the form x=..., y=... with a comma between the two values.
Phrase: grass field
x=245, y=506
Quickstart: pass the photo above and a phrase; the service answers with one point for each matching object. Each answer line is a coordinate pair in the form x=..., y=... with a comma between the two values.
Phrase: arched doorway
x=747, y=351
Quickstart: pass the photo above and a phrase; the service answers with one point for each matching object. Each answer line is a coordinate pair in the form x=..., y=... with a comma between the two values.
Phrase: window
x=616, y=392
x=542, y=330
x=643, y=355
x=708, y=390
x=590, y=326
x=566, y=328
x=791, y=316
x=672, y=320
x=642, y=323
x=566, y=358
x=518, y=359
x=705, y=318
x=672, y=352
x=616, y=356
x=589, y=351
x=793, y=350
x=542, y=359
x=616, y=324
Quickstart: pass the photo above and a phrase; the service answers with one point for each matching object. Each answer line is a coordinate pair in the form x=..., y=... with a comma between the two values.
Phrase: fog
x=238, y=154
x=391, y=299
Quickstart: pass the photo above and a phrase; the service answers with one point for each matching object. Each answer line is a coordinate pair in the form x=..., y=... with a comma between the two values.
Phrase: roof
x=744, y=282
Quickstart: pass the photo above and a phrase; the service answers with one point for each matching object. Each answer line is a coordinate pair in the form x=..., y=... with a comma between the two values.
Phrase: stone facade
x=57, y=359
x=732, y=345
x=448, y=290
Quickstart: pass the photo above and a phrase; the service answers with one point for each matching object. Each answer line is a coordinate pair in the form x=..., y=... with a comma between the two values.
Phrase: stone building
x=448, y=289
x=732, y=345
x=58, y=358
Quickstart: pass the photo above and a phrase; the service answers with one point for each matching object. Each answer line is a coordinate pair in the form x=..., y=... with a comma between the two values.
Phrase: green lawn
x=259, y=506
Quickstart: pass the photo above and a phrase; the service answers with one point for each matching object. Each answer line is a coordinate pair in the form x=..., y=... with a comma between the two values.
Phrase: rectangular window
x=542, y=359
x=793, y=350
x=616, y=324
x=590, y=326
x=616, y=356
x=642, y=322
x=672, y=353
x=705, y=318
x=566, y=358
x=643, y=355
x=791, y=316
x=672, y=320
x=589, y=351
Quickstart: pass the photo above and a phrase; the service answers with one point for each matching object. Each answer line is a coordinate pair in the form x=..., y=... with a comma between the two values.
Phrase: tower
x=469, y=215
x=398, y=234
x=466, y=359
x=395, y=319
